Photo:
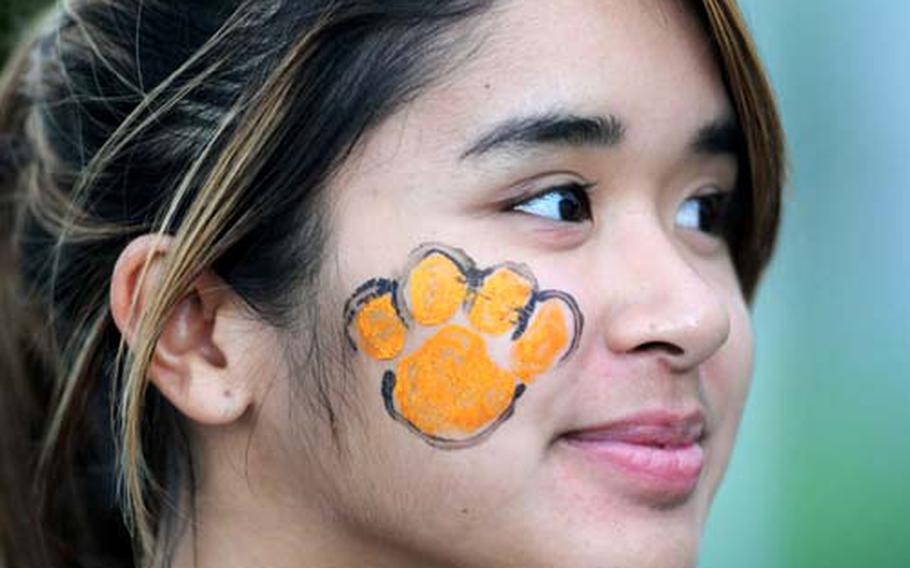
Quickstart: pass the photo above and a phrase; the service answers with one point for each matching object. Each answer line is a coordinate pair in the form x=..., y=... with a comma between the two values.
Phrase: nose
x=662, y=305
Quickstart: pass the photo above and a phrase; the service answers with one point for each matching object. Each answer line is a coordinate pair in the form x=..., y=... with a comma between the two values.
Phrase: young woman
x=359, y=283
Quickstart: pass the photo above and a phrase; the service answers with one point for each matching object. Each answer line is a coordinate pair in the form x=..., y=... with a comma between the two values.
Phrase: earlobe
x=188, y=366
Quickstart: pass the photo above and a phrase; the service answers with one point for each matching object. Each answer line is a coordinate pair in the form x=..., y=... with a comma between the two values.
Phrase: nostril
x=655, y=345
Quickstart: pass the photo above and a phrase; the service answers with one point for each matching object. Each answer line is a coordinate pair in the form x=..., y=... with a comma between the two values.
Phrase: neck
x=244, y=515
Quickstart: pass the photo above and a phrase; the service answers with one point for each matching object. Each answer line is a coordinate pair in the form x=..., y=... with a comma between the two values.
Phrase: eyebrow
x=551, y=128
x=719, y=136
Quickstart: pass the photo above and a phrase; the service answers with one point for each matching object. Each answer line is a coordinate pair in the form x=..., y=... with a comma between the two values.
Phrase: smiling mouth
x=658, y=455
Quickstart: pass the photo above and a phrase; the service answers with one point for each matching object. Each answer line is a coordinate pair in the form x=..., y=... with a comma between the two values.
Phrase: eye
x=567, y=203
x=709, y=213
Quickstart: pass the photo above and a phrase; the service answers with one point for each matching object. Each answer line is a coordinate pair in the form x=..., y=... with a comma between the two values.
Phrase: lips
x=659, y=453
x=658, y=428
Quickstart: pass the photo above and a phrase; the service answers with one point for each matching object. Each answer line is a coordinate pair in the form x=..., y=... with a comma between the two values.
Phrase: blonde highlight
x=224, y=176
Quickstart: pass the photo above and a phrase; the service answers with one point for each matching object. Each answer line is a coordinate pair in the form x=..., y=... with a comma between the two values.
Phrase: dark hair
x=220, y=123
x=217, y=122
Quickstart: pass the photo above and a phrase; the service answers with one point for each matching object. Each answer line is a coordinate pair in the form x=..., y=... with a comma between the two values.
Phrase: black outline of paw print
x=474, y=279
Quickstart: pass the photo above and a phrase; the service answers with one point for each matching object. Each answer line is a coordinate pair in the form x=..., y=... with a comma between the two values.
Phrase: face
x=569, y=175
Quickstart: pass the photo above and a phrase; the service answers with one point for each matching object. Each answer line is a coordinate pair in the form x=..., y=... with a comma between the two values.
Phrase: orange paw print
x=484, y=336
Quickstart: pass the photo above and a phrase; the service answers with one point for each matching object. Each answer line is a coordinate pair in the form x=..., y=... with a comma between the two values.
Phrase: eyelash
x=718, y=204
x=577, y=191
x=720, y=212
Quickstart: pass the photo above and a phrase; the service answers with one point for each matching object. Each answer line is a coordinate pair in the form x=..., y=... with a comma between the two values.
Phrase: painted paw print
x=462, y=344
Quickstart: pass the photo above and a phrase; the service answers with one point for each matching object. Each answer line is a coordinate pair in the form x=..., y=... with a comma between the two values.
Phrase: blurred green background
x=14, y=14
x=821, y=474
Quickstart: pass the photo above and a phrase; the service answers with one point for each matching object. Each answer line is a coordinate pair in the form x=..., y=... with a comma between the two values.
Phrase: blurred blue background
x=821, y=473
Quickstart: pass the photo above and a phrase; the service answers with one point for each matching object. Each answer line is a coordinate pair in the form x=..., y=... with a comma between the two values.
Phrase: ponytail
x=22, y=400
x=52, y=512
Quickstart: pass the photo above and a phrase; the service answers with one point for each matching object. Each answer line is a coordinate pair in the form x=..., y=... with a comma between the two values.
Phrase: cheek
x=733, y=374
x=458, y=344
x=726, y=381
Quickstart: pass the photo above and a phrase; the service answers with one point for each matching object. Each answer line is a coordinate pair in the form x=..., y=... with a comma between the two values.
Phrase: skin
x=491, y=332
x=665, y=323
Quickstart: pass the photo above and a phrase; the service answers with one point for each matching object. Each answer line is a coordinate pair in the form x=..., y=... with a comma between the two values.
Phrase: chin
x=618, y=529
x=636, y=543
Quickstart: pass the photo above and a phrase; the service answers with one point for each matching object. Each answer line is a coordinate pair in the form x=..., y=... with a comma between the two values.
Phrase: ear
x=189, y=366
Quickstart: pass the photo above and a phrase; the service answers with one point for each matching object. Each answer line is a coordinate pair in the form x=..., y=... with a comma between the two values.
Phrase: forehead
x=594, y=53
x=646, y=62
